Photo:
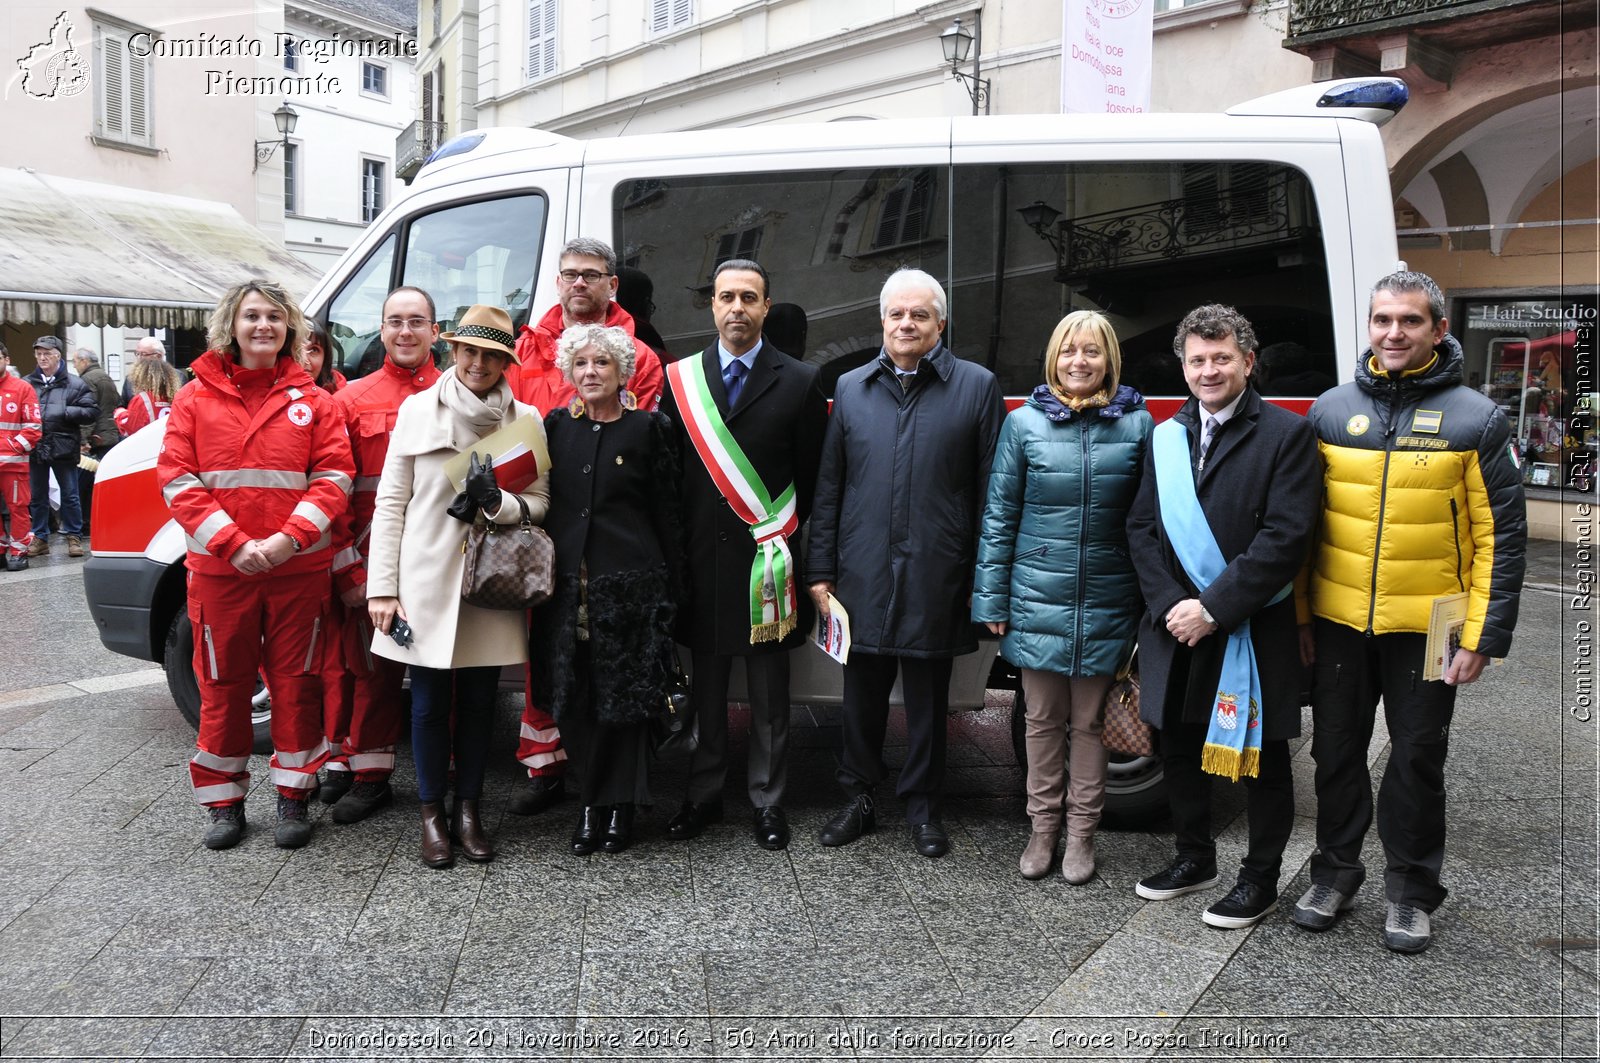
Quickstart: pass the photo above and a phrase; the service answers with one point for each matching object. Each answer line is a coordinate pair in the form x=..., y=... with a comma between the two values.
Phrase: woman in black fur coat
x=602, y=642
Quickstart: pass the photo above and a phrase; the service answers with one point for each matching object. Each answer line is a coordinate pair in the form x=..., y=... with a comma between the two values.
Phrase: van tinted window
x=1143, y=242
x=354, y=310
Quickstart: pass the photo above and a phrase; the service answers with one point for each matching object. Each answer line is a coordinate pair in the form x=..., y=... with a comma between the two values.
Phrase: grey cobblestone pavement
x=122, y=938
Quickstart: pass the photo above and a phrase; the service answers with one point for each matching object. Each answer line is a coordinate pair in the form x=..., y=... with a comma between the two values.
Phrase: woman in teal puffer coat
x=1054, y=579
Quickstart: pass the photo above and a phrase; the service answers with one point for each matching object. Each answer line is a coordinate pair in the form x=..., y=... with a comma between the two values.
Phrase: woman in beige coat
x=455, y=650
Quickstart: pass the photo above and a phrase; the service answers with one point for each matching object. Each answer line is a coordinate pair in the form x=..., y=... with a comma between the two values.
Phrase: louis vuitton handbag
x=1123, y=731
x=508, y=566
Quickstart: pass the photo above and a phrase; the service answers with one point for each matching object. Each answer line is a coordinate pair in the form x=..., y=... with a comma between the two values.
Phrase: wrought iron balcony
x=1418, y=39
x=414, y=144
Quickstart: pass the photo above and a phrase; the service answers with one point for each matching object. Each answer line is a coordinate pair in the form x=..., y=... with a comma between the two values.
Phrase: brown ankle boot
x=1077, y=863
x=436, y=850
x=1039, y=854
x=467, y=829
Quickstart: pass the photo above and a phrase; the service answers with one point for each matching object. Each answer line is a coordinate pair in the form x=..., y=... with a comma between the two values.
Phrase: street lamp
x=1041, y=217
x=284, y=117
x=958, y=44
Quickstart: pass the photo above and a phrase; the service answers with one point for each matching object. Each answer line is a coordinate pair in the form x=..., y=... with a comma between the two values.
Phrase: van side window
x=354, y=310
x=828, y=239
x=482, y=252
x=1143, y=243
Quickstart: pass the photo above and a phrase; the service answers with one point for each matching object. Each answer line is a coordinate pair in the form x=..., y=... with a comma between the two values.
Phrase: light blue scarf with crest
x=1233, y=739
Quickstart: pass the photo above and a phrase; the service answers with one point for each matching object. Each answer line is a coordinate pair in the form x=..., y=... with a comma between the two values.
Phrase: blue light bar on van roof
x=1390, y=94
x=458, y=145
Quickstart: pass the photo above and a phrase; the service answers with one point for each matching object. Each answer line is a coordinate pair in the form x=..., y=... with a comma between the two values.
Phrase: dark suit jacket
x=1261, y=492
x=779, y=423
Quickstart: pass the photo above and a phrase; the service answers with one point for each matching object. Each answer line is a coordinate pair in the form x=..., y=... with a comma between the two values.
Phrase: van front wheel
x=178, y=660
x=1136, y=788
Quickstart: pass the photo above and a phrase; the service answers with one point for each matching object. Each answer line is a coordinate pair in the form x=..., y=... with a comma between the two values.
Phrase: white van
x=1281, y=207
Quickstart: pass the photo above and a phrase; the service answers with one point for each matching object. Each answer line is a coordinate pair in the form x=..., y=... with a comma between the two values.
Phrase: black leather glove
x=463, y=508
x=481, y=487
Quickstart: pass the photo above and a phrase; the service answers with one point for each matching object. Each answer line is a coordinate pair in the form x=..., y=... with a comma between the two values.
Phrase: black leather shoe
x=619, y=829
x=590, y=830
x=772, y=828
x=692, y=820
x=850, y=822
x=930, y=839
x=541, y=792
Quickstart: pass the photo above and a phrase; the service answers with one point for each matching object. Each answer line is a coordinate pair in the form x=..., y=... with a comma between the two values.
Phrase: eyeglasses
x=415, y=324
x=589, y=276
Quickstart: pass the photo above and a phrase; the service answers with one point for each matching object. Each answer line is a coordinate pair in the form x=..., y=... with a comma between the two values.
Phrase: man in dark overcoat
x=1255, y=473
x=771, y=407
x=905, y=471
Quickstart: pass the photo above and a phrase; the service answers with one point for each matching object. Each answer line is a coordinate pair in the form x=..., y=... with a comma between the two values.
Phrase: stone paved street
x=122, y=938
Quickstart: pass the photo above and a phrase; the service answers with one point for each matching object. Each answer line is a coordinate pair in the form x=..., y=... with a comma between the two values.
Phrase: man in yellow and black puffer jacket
x=1422, y=498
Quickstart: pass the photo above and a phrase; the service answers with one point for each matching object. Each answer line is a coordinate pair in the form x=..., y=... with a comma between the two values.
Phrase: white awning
x=80, y=253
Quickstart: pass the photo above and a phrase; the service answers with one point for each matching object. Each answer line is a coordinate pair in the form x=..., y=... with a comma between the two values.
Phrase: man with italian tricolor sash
x=751, y=420
x=1221, y=525
x=1423, y=505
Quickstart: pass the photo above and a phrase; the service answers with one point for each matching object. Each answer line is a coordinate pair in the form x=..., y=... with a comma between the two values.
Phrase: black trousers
x=612, y=763
x=1269, y=803
x=1352, y=672
x=767, y=684
x=925, y=686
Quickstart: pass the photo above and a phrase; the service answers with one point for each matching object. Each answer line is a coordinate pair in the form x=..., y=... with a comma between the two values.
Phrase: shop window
x=1534, y=356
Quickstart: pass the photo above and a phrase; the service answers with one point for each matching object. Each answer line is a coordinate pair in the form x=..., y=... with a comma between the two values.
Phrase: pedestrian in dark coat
x=1256, y=474
x=900, y=493
x=602, y=642
x=99, y=436
x=774, y=412
x=66, y=404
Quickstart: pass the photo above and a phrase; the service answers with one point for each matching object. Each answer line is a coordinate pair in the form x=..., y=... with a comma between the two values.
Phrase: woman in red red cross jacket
x=256, y=491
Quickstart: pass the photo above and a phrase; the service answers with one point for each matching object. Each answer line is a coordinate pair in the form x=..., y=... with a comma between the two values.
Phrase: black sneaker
x=335, y=784
x=227, y=826
x=363, y=800
x=1184, y=876
x=294, y=823
x=1245, y=905
x=850, y=822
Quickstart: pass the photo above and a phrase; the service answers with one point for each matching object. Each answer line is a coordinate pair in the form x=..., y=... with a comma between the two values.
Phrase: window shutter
x=541, y=38
x=113, y=88
x=660, y=15
x=138, y=67
x=427, y=98
x=682, y=12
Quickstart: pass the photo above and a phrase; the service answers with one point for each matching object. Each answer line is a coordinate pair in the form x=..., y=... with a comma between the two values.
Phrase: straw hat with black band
x=488, y=327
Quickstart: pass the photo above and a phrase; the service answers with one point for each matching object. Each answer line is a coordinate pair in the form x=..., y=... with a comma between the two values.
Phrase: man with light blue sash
x=1220, y=526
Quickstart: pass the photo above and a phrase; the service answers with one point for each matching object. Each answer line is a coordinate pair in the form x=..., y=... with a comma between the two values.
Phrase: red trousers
x=376, y=713
x=539, y=744
x=337, y=683
x=18, y=496
x=242, y=626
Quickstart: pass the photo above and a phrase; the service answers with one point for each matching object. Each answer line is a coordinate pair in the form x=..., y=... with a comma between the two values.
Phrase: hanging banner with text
x=1105, y=56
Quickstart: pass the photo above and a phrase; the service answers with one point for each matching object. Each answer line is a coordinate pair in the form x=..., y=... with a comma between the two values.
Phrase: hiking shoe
x=294, y=823
x=1244, y=906
x=1184, y=876
x=1407, y=929
x=335, y=784
x=363, y=800
x=1319, y=907
x=227, y=826
x=74, y=546
x=40, y=546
